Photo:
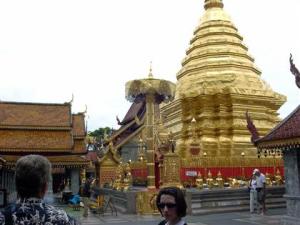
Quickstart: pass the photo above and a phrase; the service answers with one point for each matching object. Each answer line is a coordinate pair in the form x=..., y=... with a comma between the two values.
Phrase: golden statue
x=219, y=180
x=139, y=203
x=209, y=180
x=278, y=178
x=234, y=183
x=117, y=185
x=268, y=180
x=127, y=181
x=153, y=202
x=199, y=181
x=126, y=184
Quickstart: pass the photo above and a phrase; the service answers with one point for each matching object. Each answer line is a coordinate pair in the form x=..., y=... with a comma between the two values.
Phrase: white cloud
x=51, y=49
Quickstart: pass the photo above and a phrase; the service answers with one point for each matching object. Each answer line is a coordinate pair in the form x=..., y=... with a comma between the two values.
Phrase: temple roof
x=92, y=156
x=136, y=109
x=35, y=141
x=78, y=125
x=285, y=135
x=130, y=125
x=35, y=115
x=41, y=127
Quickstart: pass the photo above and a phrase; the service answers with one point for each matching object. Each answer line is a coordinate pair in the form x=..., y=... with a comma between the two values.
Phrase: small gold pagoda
x=217, y=84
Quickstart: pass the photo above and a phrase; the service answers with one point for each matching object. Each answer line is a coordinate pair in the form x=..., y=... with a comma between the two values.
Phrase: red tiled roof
x=92, y=156
x=35, y=140
x=287, y=129
x=35, y=115
x=41, y=127
x=79, y=146
x=136, y=109
x=78, y=125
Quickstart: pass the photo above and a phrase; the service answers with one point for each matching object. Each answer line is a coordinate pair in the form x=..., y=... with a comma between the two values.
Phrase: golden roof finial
x=213, y=3
x=150, y=75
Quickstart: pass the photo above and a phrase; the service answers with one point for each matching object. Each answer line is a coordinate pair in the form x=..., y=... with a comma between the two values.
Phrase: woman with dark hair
x=171, y=205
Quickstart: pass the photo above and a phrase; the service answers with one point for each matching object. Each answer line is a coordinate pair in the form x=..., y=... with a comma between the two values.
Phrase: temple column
x=75, y=176
x=150, y=140
x=292, y=186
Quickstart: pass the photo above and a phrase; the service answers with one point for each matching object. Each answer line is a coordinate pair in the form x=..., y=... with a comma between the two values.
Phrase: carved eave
x=39, y=150
x=286, y=135
x=68, y=161
x=16, y=127
x=110, y=154
x=283, y=144
x=120, y=131
x=129, y=137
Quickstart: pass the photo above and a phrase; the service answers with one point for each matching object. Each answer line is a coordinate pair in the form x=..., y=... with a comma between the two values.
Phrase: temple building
x=285, y=139
x=51, y=130
x=217, y=84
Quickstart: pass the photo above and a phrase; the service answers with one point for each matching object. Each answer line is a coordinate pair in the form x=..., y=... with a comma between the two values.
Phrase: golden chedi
x=217, y=83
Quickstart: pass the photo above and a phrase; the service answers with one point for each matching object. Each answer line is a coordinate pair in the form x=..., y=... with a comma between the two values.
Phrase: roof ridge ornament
x=150, y=75
x=213, y=4
x=71, y=101
x=294, y=71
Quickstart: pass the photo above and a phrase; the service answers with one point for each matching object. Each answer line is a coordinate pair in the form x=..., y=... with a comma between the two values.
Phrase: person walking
x=261, y=190
x=172, y=206
x=31, y=179
x=86, y=194
x=253, y=193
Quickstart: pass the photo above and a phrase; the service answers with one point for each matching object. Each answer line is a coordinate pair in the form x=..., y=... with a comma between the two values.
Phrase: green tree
x=99, y=133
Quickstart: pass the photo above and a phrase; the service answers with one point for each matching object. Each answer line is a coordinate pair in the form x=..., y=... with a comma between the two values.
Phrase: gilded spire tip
x=150, y=75
x=213, y=4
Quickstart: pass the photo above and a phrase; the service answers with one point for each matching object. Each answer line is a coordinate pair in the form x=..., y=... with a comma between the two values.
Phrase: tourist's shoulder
x=2, y=218
x=59, y=213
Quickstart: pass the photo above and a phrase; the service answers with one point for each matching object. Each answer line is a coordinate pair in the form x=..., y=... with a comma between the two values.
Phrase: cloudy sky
x=50, y=50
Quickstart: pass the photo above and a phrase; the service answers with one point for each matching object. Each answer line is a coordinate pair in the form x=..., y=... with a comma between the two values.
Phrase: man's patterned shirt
x=34, y=211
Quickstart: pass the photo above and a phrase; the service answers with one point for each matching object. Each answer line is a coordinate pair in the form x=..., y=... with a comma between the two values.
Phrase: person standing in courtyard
x=172, y=206
x=253, y=193
x=31, y=179
x=261, y=190
x=86, y=194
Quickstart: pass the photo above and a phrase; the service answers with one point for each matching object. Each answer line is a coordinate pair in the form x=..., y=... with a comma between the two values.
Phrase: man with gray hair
x=32, y=175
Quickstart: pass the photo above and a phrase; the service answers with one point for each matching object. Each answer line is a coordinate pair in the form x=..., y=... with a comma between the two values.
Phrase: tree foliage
x=99, y=133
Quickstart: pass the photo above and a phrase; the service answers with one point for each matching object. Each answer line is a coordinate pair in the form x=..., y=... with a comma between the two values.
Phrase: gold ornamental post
x=153, y=92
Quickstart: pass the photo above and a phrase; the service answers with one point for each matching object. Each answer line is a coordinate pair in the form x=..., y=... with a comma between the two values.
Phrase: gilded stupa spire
x=217, y=82
x=213, y=4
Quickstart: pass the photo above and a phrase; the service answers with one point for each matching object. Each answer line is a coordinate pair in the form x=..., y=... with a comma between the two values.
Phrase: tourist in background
x=253, y=193
x=172, y=206
x=86, y=194
x=261, y=190
x=31, y=178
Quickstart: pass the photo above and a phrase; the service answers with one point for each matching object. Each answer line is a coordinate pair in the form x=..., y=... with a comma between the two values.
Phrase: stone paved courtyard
x=236, y=218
